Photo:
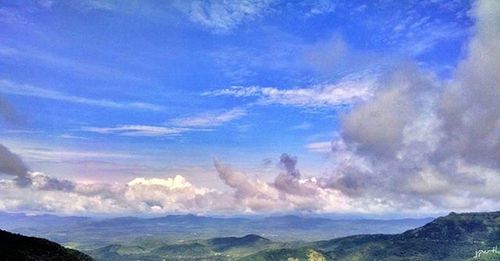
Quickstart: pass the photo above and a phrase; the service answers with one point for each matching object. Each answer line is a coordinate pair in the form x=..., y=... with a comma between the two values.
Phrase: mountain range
x=89, y=233
x=452, y=237
x=466, y=236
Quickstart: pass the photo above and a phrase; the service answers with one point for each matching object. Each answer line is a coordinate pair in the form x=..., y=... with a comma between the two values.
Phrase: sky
x=249, y=107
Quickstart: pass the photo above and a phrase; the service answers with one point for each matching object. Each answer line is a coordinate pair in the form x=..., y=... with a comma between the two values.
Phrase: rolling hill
x=224, y=248
x=91, y=233
x=452, y=237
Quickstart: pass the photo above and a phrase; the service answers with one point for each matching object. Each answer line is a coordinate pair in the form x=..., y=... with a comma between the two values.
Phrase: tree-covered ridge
x=453, y=237
x=19, y=247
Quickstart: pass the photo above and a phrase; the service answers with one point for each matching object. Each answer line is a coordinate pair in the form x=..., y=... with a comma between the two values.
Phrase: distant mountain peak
x=456, y=226
x=254, y=237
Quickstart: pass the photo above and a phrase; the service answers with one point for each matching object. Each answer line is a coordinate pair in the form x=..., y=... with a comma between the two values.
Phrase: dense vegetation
x=18, y=247
x=226, y=248
x=90, y=233
x=453, y=237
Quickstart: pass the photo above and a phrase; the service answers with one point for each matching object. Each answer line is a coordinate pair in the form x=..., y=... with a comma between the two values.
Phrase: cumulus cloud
x=289, y=162
x=169, y=195
x=38, y=192
x=378, y=125
x=470, y=106
x=415, y=143
x=250, y=194
x=141, y=195
x=44, y=182
x=289, y=191
x=428, y=142
x=12, y=164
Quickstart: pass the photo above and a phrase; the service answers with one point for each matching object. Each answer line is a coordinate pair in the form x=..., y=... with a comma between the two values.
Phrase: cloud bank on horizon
x=410, y=135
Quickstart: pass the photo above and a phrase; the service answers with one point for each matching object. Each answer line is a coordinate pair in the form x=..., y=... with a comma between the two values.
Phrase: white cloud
x=63, y=63
x=413, y=144
x=318, y=7
x=138, y=130
x=289, y=191
x=321, y=147
x=39, y=154
x=175, y=127
x=430, y=143
x=217, y=16
x=222, y=16
x=210, y=119
x=173, y=183
x=140, y=195
x=349, y=90
x=10, y=87
x=69, y=136
x=302, y=126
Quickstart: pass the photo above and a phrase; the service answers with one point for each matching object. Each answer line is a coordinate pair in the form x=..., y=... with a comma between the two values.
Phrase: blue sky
x=105, y=91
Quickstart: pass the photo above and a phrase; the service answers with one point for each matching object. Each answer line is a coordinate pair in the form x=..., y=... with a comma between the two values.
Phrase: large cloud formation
x=418, y=145
x=41, y=193
x=249, y=194
x=11, y=164
x=429, y=143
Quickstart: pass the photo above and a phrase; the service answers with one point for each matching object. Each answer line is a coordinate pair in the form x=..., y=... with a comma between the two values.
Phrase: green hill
x=296, y=254
x=453, y=237
x=18, y=247
x=183, y=250
x=224, y=248
x=230, y=243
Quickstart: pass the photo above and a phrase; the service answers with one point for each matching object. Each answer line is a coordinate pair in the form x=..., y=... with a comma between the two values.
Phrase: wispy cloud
x=138, y=130
x=69, y=136
x=217, y=16
x=12, y=16
x=347, y=91
x=174, y=127
x=59, y=62
x=10, y=87
x=321, y=147
x=224, y=16
x=210, y=119
x=302, y=126
x=416, y=32
x=58, y=154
